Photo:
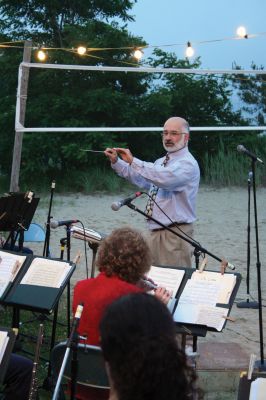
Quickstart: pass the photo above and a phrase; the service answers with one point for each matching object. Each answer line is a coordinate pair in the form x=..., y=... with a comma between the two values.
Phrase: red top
x=96, y=294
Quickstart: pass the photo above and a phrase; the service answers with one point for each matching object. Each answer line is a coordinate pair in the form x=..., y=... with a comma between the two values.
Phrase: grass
x=88, y=182
x=225, y=168
x=228, y=169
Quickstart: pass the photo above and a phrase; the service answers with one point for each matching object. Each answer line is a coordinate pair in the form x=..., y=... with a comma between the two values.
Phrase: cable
x=173, y=222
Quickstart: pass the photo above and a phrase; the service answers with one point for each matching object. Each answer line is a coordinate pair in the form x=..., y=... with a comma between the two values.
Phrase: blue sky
x=171, y=21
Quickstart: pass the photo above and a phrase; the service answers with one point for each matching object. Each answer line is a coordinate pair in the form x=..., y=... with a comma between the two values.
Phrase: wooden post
x=17, y=149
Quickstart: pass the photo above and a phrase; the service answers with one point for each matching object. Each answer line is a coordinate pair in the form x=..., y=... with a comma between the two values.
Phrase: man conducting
x=173, y=183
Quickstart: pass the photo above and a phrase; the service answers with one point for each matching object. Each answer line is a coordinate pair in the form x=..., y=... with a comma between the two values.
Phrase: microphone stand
x=66, y=242
x=68, y=230
x=248, y=303
x=72, y=343
x=198, y=248
x=46, y=250
x=260, y=363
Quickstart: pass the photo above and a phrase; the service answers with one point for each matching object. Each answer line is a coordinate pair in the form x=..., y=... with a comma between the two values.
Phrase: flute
x=34, y=381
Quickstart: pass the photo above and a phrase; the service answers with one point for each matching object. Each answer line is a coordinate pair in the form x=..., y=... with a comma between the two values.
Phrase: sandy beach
x=221, y=228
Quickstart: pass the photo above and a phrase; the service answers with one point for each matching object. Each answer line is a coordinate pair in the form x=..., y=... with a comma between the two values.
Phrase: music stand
x=16, y=213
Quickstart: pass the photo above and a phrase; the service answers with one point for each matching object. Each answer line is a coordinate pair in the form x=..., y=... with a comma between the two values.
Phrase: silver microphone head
x=54, y=224
x=116, y=206
x=240, y=148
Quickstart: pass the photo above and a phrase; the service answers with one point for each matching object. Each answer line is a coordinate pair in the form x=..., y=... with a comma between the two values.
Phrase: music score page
x=44, y=272
x=10, y=265
x=197, y=305
x=167, y=277
x=225, y=282
x=3, y=343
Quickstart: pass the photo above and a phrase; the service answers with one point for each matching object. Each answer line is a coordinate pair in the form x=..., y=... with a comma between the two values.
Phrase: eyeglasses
x=172, y=133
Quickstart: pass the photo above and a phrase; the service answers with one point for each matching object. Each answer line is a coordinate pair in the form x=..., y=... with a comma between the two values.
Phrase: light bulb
x=138, y=54
x=189, y=50
x=241, y=32
x=81, y=50
x=41, y=55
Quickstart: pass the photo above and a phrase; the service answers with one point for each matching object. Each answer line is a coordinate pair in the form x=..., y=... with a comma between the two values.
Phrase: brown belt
x=171, y=226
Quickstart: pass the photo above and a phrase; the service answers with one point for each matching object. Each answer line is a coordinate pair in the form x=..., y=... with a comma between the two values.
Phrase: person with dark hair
x=172, y=182
x=17, y=378
x=123, y=259
x=143, y=359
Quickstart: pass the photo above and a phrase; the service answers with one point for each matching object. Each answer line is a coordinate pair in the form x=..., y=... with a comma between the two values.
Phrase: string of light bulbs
x=137, y=51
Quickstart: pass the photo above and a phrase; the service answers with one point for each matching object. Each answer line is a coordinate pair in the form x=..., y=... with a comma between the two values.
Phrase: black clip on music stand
x=16, y=213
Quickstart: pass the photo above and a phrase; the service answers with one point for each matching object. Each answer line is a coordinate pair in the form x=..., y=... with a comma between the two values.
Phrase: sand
x=221, y=228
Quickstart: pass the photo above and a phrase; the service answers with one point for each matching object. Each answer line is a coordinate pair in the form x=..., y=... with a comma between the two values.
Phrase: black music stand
x=16, y=213
x=196, y=329
x=42, y=299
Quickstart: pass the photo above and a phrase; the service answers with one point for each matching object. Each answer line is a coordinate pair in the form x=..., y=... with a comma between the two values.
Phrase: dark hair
x=124, y=253
x=139, y=343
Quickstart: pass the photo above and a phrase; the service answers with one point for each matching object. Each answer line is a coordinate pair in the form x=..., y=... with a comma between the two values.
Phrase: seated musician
x=123, y=259
x=17, y=380
x=6, y=246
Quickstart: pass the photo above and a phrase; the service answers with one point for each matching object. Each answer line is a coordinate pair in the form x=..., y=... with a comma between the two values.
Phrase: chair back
x=91, y=375
x=35, y=233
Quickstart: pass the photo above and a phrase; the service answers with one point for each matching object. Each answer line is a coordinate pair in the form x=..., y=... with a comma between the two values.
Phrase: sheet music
x=167, y=277
x=3, y=343
x=258, y=389
x=45, y=272
x=10, y=264
x=213, y=317
x=226, y=283
x=198, y=292
x=197, y=303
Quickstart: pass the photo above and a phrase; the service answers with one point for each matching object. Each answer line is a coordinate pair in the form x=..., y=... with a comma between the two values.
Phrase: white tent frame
x=20, y=128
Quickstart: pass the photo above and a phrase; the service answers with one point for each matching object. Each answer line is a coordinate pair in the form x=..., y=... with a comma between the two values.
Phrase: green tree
x=48, y=19
x=252, y=92
x=204, y=100
x=85, y=98
x=66, y=98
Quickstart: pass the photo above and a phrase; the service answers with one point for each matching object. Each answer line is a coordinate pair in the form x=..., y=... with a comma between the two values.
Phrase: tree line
x=98, y=99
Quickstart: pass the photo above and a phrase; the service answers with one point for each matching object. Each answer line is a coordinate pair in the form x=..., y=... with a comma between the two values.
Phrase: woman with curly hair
x=143, y=359
x=123, y=259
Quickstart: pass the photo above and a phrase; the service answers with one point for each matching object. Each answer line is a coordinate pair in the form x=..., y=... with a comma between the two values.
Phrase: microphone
x=56, y=224
x=75, y=324
x=242, y=149
x=118, y=204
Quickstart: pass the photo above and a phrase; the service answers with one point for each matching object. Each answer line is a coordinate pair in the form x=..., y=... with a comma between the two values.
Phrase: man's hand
x=125, y=154
x=111, y=154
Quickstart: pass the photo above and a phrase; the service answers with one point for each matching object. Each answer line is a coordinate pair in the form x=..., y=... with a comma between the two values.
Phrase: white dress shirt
x=178, y=184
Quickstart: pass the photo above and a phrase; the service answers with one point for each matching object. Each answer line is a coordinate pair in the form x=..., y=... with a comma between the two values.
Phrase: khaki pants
x=169, y=249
